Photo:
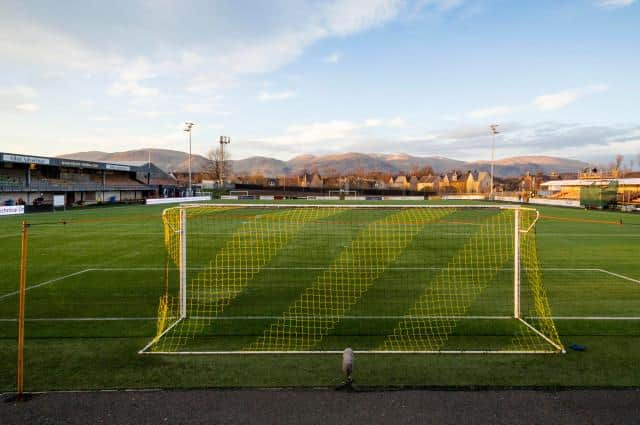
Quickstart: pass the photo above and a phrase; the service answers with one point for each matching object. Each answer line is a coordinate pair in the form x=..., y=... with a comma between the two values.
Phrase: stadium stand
x=36, y=179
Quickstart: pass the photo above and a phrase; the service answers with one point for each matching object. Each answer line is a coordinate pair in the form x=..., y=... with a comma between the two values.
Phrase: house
x=310, y=180
x=478, y=182
x=451, y=183
x=400, y=182
x=444, y=180
x=470, y=183
x=428, y=184
x=413, y=183
x=270, y=182
x=379, y=184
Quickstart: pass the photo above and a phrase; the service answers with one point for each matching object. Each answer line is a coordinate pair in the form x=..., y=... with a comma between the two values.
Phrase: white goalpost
x=307, y=279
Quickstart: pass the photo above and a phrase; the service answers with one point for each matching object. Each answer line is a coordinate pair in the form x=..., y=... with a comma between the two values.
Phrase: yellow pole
x=23, y=286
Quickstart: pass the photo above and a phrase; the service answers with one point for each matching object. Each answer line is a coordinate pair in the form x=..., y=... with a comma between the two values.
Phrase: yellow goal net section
x=282, y=278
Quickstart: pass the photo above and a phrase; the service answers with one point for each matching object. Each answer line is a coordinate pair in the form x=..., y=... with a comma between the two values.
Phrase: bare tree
x=219, y=166
x=425, y=170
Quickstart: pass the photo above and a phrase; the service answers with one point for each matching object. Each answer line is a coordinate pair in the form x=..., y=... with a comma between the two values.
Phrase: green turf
x=118, y=255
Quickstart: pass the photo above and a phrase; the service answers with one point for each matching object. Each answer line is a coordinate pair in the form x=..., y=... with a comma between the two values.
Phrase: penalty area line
x=570, y=269
x=248, y=318
x=48, y=282
x=82, y=319
x=621, y=276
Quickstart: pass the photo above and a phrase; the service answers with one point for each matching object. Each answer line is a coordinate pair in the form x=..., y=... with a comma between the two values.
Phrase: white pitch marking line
x=109, y=269
x=592, y=318
x=413, y=317
x=124, y=319
x=346, y=317
x=81, y=319
x=621, y=276
x=10, y=294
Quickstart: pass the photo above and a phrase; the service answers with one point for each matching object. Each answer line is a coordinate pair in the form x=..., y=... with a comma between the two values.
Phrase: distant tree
x=257, y=179
x=219, y=166
x=330, y=172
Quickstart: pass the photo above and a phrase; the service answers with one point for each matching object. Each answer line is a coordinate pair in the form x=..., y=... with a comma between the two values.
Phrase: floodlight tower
x=224, y=140
x=187, y=128
x=494, y=131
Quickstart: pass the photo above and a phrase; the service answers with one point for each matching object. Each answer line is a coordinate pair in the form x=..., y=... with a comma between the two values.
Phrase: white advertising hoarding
x=25, y=159
x=158, y=201
x=14, y=209
x=58, y=200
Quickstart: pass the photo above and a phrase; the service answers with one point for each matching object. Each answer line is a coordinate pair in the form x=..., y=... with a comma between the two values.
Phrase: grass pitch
x=94, y=287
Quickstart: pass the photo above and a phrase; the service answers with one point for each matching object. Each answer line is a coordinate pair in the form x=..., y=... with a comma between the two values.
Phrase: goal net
x=342, y=194
x=319, y=278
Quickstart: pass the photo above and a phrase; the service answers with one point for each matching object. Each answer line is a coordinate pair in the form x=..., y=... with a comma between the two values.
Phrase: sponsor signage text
x=15, y=209
x=25, y=159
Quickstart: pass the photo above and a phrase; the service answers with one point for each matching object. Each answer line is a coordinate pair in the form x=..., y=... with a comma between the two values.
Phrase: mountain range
x=343, y=163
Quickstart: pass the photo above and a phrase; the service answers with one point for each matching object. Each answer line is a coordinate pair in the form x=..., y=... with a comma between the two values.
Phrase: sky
x=284, y=78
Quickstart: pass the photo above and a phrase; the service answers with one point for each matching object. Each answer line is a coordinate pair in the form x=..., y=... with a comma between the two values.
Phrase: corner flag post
x=23, y=286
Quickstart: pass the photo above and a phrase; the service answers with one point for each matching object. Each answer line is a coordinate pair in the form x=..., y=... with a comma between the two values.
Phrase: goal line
x=249, y=318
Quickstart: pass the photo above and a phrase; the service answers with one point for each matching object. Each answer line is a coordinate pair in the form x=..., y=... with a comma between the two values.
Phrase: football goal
x=342, y=194
x=283, y=278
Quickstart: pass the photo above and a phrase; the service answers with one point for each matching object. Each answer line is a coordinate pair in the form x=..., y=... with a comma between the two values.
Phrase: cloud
x=272, y=51
x=614, y=4
x=552, y=101
x=101, y=118
x=209, y=105
x=470, y=142
x=23, y=41
x=352, y=16
x=130, y=77
x=132, y=88
x=26, y=92
x=20, y=98
x=397, y=122
x=343, y=131
x=332, y=58
x=494, y=111
x=280, y=39
x=321, y=131
x=266, y=96
x=442, y=5
x=28, y=107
